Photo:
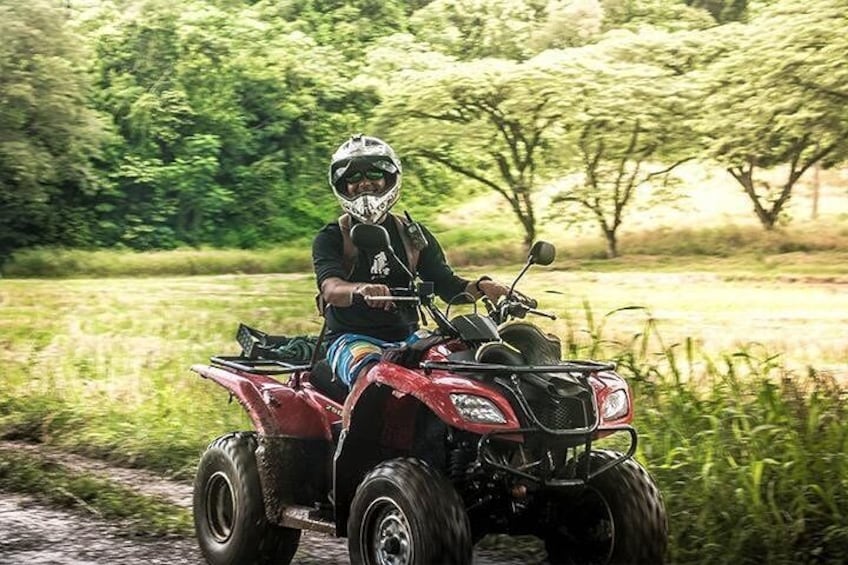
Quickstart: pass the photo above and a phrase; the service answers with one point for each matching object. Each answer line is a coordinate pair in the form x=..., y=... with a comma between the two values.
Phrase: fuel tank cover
x=475, y=328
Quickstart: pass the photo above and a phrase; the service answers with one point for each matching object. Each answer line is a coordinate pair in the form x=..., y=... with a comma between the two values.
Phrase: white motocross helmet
x=359, y=154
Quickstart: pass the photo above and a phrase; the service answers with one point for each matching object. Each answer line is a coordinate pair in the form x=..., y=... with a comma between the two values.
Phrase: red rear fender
x=275, y=408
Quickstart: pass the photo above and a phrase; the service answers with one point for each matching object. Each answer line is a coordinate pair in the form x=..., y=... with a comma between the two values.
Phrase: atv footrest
x=306, y=518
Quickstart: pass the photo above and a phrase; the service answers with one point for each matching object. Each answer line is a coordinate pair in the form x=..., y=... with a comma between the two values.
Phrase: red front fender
x=276, y=409
x=434, y=391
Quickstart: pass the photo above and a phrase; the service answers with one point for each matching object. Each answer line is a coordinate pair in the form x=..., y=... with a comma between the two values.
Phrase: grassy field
x=741, y=414
x=733, y=340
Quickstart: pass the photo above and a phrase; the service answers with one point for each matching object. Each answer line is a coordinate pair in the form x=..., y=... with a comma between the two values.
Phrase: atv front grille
x=560, y=413
x=555, y=404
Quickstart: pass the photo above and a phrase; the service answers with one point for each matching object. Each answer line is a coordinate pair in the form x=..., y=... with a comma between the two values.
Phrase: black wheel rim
x=588, y=532
x=220, y=507
x=386, y=538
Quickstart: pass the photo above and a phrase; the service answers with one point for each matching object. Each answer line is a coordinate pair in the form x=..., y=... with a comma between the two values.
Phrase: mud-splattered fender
x=276, y=409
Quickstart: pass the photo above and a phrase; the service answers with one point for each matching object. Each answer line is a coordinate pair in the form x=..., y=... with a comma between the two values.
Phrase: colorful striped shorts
x=349, y=354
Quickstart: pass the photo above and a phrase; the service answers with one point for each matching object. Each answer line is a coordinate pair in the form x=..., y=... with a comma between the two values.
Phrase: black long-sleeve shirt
x=379, y=268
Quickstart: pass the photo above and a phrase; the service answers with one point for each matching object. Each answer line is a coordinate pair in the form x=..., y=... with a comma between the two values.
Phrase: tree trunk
x=746, y=179
x=529, y=234
x=814, y=213
x=612, y=243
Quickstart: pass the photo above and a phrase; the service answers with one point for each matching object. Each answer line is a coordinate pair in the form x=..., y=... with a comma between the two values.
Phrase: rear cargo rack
x=258, y=366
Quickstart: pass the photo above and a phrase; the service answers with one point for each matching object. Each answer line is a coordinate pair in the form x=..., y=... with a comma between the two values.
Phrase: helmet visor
x=358, y=181
x=363, y=166
x=370, y=174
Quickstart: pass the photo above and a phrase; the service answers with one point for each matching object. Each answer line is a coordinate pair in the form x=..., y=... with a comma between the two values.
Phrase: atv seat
x=497, y=353
x=321, y=377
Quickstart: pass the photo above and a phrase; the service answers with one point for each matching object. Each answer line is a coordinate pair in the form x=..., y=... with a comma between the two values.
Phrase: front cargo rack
x=580, y=367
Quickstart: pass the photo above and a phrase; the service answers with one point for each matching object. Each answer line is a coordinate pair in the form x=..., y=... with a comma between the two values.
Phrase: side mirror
x=542, y=253
x=369, y=236
x=376, y=238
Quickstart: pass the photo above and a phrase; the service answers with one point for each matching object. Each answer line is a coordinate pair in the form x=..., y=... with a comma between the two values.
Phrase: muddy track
x=32, y=533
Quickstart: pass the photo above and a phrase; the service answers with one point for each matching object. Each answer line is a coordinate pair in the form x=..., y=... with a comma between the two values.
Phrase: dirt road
x=34, y=534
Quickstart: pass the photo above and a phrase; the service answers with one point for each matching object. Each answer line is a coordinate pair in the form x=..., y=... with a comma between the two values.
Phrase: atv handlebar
x=403, y=294
x=394, y=298
x=514, y=305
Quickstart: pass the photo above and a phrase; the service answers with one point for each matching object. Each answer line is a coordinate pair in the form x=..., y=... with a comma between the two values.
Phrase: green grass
x=752, y=459
x=59, y=263
x=808, y=248
x=739, y=384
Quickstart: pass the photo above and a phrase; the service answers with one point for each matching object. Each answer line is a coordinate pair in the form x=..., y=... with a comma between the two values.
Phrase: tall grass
x=59, y=263
x=820, y=247
x=750, y=457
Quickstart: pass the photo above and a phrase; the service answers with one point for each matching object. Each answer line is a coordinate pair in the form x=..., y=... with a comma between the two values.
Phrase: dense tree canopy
x=49, y=137
x=627, y=128
x=154, y=124
x=776, y=99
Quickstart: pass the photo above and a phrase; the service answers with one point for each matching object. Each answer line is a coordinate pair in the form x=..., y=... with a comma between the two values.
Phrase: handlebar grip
x=523, y=299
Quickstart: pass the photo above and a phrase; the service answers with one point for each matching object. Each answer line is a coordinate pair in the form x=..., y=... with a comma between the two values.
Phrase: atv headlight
x=615, y=405
x=477, y=409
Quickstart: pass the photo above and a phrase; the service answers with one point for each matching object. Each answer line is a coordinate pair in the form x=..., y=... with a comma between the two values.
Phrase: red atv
x=478, y=428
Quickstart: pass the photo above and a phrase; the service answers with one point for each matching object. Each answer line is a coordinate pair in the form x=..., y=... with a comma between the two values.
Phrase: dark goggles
x=370, y=174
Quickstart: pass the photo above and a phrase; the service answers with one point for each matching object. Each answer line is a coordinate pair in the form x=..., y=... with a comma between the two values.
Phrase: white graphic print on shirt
x=380, y=266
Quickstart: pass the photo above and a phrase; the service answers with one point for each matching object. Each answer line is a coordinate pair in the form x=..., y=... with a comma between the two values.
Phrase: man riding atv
x=478, y=427
x=365, y=175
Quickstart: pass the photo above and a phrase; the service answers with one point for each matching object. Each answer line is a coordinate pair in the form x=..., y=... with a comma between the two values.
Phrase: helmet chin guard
x=361, y=152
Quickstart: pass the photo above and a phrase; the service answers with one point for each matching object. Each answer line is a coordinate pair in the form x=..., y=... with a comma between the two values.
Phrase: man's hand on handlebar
x=493, y=290
x=376, y=296
x=514, y=305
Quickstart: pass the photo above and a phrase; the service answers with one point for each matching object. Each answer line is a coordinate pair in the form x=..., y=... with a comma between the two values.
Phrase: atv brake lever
x=541, y=313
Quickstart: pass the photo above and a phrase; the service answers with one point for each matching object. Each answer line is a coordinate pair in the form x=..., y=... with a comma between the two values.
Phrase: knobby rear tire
x=229, y=512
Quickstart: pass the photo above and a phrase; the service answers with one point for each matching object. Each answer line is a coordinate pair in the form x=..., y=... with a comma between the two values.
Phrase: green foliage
x=668, y=15
x=723, y=11
x=493, y=122
x=628, y=133
x=154, y=125
x=478, y=29
x=750, y=458
x=349, y=27
x=48, y=137
x=777, y=99
x=207, y=152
